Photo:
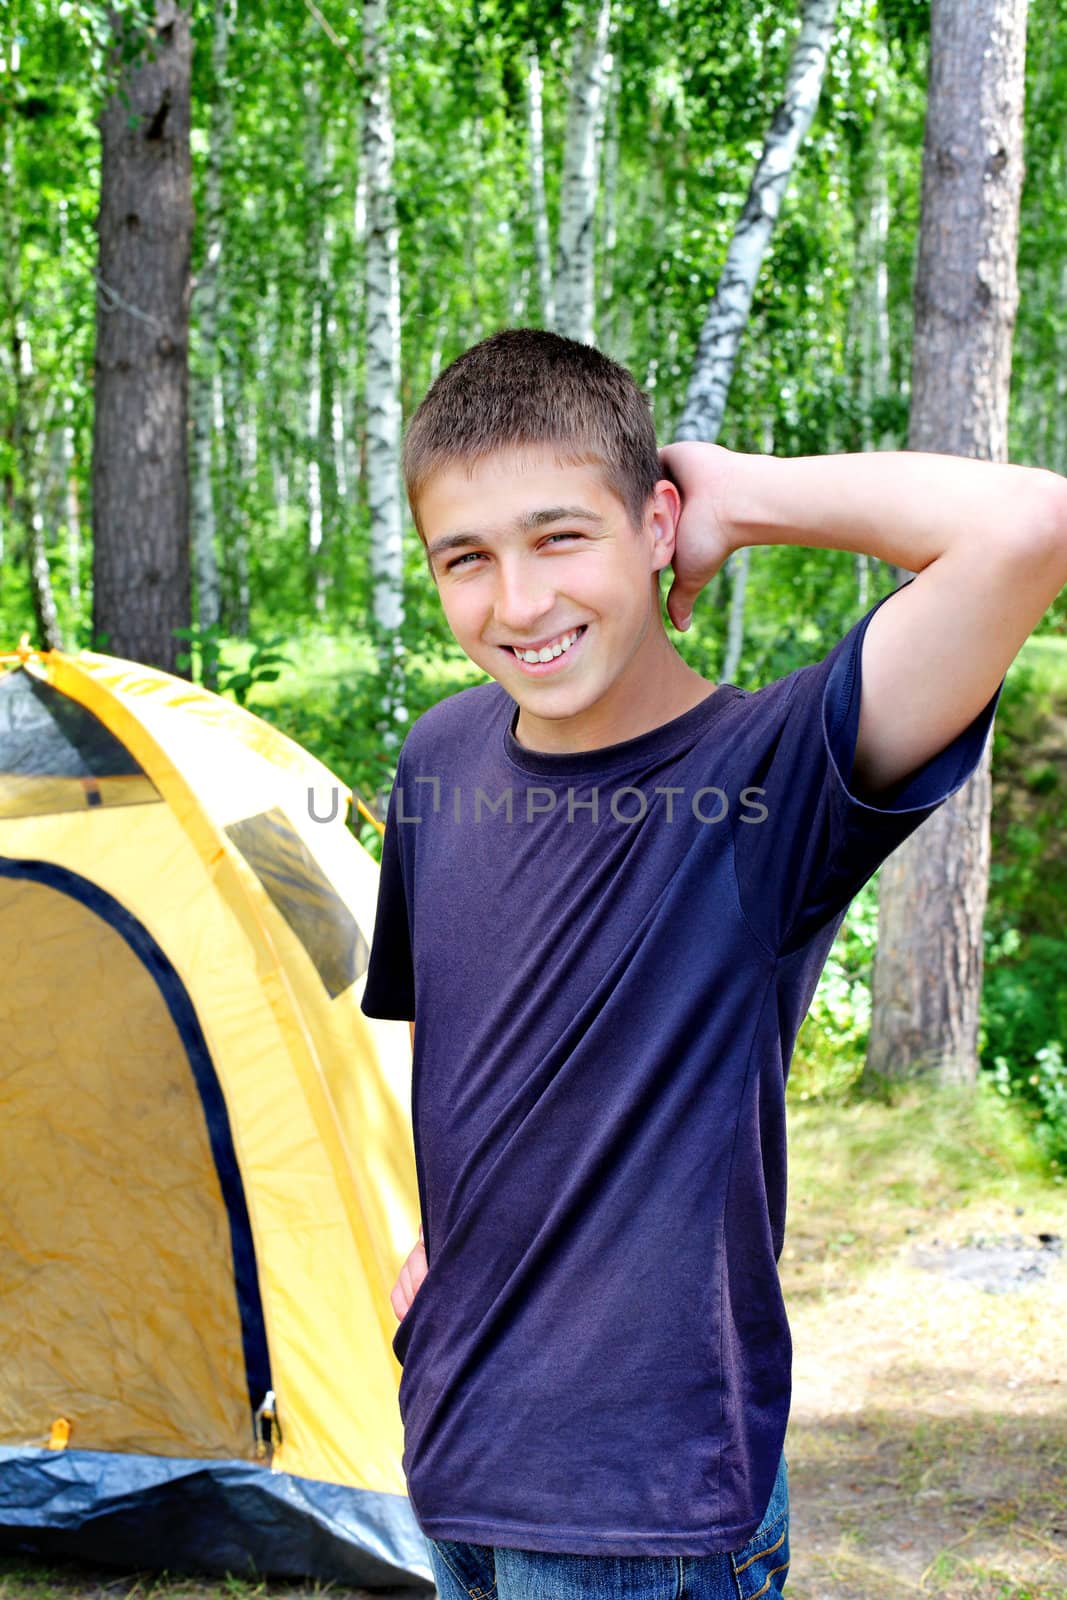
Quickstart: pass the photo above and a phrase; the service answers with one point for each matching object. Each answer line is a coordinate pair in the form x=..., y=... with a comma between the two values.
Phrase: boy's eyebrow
x=524, y=524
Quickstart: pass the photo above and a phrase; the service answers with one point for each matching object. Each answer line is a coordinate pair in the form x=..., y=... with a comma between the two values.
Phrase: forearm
x=903, y=507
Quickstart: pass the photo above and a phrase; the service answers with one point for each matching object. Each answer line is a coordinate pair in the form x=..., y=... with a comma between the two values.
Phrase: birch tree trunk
x=382, y=304
x=473, y=332
x=205, y=373
x=238, y=466
x=609, y=211
x=68, y=454
x=875, y=356
x=739, y=564
x=932, y=891
x=721, y=335
x=9, y=268
x=868, y=318
x=575, y=253
x=737, y=570
x=1057, y=433
x=338, y=433
x=314, y=277
x=28, y=495
x=347, y=383
x=71, y=507
x=874, y=333
x=25, y=496
x=141, y=578
x=535, y=144
x=269, y=352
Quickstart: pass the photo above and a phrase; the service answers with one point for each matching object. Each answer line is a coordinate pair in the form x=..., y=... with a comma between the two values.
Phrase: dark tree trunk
x=140, y=459
x=932, y=892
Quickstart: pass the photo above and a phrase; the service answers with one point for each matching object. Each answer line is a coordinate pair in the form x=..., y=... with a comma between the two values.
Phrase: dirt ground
x=928, y=1441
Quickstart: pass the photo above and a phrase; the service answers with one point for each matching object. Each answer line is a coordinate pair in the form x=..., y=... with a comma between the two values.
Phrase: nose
x=522, y=598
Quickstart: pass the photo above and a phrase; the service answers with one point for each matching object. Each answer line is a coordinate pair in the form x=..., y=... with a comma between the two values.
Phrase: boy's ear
x=662, y=514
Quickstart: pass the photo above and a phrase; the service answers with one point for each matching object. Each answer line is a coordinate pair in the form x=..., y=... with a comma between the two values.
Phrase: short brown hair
x=526, y=386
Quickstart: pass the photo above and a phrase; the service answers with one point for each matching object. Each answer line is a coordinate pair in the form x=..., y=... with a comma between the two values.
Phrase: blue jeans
x=482, y=1572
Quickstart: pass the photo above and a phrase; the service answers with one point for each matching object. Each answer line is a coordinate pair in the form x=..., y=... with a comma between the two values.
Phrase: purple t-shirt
x=608, y=971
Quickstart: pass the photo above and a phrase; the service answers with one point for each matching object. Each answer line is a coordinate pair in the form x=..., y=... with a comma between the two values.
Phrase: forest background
x=286, y=538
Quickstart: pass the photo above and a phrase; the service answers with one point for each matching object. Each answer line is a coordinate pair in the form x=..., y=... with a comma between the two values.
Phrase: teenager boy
x=608, y=889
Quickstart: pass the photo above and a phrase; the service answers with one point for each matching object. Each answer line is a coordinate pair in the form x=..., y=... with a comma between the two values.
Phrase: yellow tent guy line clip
x=59, y=1438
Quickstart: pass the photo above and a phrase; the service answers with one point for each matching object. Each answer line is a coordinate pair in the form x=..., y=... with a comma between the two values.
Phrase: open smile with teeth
x=555, y=647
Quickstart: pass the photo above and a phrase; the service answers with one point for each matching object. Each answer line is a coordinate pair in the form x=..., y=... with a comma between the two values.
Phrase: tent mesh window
x=304, y=896
x=56, y=756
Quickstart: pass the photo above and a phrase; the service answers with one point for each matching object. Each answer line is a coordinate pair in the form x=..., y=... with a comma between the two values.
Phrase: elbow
x=1050, y=518
x=1039, y=525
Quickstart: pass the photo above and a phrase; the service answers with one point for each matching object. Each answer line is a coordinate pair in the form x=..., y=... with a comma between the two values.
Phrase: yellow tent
x=207, y=1180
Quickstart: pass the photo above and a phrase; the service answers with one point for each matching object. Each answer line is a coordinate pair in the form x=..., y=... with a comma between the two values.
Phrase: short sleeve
x=390, y=986
x=803, y=861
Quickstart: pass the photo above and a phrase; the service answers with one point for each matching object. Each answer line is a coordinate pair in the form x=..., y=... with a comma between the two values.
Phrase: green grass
x=865, y=1175
x=1047, y=655
x=21, y=1579
x=24, y=1579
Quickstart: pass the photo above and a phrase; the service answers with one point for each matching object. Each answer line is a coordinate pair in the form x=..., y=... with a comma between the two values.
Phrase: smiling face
x=527, y=553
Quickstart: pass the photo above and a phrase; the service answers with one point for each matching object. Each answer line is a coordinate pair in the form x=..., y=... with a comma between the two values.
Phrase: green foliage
x=1024, y=998
x=264, y=666
x=833, y=1036
x=907, y=23
x=263, y=662
x=1038, y=417
x=1026, y=1002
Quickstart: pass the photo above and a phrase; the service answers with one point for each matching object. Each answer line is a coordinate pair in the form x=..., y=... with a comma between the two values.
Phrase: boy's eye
x=473, y=554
